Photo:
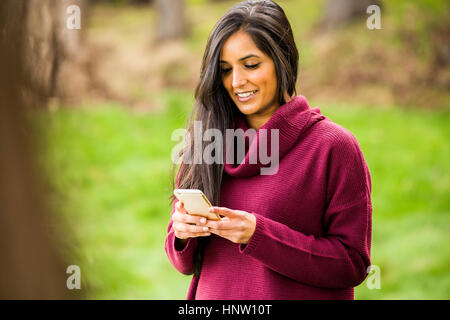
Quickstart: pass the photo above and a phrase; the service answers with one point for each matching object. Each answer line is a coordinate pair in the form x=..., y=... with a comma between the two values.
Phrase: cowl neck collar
x=290, y=120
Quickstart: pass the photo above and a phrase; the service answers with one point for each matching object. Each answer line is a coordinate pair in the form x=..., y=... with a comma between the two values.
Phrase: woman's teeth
x=245, y=95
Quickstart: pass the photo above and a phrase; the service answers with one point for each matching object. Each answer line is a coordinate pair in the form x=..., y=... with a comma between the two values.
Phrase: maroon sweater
x=313, y=218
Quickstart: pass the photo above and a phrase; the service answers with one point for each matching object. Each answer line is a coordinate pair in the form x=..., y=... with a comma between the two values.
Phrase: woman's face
x=249, y=77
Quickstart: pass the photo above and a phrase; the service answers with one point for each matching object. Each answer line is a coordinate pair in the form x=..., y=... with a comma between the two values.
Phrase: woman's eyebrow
x=243, y=58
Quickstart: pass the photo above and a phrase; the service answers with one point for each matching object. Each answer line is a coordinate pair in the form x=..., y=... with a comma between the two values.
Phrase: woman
x=301, y=232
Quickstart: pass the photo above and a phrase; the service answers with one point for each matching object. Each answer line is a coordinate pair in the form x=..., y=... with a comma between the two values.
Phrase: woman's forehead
x=239, y=46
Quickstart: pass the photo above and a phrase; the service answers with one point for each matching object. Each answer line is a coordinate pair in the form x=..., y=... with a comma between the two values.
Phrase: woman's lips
x=241, y=99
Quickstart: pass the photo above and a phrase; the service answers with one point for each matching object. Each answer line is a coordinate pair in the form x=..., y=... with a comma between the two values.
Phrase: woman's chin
x=247, y=109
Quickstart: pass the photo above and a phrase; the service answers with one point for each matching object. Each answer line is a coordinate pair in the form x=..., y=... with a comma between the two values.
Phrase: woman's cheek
x=227, y=84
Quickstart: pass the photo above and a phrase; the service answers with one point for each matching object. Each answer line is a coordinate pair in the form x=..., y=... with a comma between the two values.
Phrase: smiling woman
x=304, y=230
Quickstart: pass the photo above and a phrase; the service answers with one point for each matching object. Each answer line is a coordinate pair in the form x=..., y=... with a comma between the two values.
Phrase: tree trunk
x=53, y=56
x=171, y=22
x=70, y=82
x=30, y=250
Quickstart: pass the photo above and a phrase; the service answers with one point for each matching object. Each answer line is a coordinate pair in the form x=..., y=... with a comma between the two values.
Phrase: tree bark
x=53, y=56
x=32, y=266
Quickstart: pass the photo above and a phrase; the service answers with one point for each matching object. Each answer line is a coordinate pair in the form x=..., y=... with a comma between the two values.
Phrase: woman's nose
x=239, y=79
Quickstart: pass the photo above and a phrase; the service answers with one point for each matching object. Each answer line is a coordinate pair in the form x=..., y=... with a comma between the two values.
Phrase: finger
x=197, y=220
x=180, y=207
x=225, y=224
x=224, y=211
x=186, y=235
x=219, y=225
x=228, y=234
x=188, y=228
x=187, y=218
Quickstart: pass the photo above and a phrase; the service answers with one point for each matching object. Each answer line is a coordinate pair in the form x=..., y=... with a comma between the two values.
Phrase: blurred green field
x=109, y=169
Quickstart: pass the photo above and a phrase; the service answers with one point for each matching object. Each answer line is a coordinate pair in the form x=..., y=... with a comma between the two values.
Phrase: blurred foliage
x=405, y=63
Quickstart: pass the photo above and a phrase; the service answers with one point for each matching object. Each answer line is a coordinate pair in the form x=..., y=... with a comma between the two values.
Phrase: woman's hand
x=188, y=226
x=238, y=226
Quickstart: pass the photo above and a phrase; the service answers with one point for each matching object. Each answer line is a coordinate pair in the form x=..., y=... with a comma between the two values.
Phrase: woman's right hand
x=188, y=226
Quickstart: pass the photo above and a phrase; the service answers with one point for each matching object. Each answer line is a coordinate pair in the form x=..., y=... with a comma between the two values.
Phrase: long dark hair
x=268, y=26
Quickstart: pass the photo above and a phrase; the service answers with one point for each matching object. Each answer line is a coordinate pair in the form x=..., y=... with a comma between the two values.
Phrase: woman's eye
x=252, y=66
x=248, y=66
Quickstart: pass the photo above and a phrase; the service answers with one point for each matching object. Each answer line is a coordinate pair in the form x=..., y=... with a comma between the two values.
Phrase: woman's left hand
x=237, y=226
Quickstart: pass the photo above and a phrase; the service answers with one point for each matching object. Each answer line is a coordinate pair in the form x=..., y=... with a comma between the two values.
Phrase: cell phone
x=195, y=203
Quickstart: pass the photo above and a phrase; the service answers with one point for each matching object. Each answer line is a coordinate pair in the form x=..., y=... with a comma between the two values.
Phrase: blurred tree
x=32, y=264
x=340, y=12
x=70, y=80
x=171, y=22
x=53, y=54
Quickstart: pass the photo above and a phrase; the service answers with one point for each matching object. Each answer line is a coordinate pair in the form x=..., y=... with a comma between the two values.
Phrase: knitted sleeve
x=182, y=260
x=340, y=257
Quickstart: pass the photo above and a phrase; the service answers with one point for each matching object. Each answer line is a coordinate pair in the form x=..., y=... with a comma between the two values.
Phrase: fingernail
x=211, y=209
x=205, y=228
x=202, y=220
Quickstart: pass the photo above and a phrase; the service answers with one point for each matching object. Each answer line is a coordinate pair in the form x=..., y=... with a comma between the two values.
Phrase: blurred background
x=87, y=116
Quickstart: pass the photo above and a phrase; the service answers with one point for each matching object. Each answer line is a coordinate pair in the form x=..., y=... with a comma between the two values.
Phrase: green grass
x=109, y=169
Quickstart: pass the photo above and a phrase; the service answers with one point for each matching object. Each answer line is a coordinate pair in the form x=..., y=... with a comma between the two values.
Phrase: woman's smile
x=246, y=96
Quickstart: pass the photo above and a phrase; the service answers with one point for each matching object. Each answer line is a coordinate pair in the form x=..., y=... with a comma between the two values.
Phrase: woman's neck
x=257, y=120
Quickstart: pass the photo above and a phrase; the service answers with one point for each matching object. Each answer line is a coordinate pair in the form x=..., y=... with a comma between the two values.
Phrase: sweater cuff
x=255, y=238
x=190, y=245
